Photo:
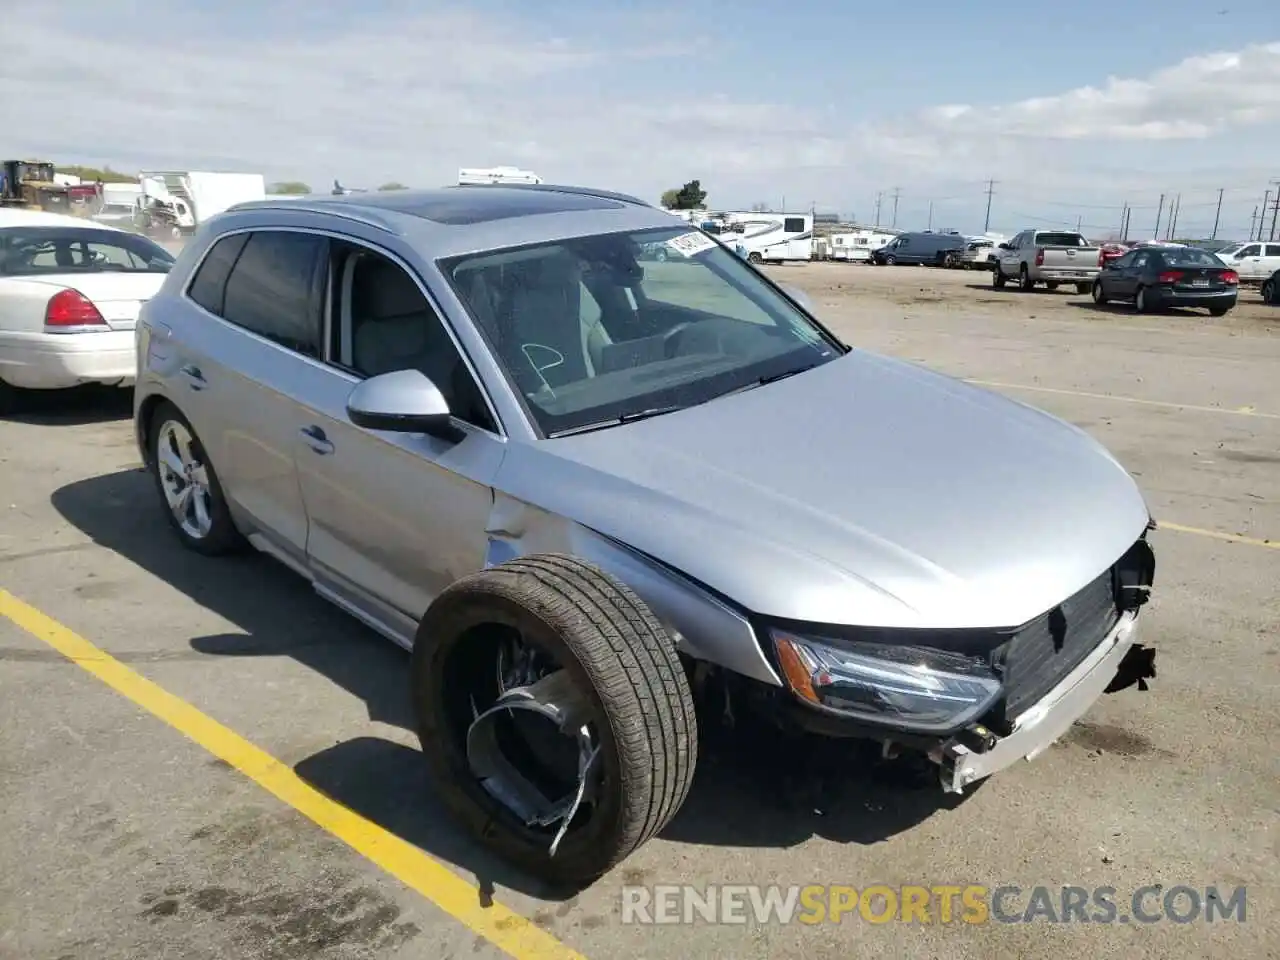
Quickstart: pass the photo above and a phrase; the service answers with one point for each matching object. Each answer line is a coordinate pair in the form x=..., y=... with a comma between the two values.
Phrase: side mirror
x=799, y=296
x=404, y=401
x=1003, y=246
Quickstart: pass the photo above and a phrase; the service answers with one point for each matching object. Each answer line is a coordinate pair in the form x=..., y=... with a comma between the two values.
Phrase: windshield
x=599, y=328
x=34, y=251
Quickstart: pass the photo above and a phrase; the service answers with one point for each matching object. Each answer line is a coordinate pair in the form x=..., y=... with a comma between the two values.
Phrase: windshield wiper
x=628, y=417
x=762, y=381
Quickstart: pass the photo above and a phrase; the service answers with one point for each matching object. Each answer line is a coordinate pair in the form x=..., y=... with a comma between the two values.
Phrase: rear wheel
x=188, y=485
x=1140, y=303
x=755, y=257
x=1218, y=311
x=1024, y=278
x=1270, y=292
x=10, y=399
x=556, y=715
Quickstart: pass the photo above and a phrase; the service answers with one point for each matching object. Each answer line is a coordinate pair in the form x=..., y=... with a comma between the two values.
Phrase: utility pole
x=1173, y=216
x=1079, y=222
x=879, y=197
x=1275, y=209
x=930, y=226
x=1155, y=235
x=897, y=192
x=1262, y=216
x=991, y=189
x=1217, y=216
x=1253, y=222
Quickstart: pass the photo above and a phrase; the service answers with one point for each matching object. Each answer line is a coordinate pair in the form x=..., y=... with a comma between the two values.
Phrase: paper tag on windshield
x=690, y=244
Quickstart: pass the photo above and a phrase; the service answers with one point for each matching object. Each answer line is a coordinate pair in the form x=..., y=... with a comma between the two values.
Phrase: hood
x=867, y=491
x=118, y=296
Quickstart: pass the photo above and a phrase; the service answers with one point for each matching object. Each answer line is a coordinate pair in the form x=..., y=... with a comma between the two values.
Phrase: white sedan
x=70, y=291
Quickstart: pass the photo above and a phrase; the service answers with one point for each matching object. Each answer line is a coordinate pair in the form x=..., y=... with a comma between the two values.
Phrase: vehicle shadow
x=747, y=775
x=1126, y=309
x=74, y=407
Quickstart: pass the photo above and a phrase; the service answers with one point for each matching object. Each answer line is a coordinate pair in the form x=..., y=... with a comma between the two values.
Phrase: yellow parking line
x=515, y=935
x=1238, y=411
x=1219, y=535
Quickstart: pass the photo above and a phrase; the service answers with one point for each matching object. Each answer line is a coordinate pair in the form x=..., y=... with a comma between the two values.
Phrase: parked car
x=70, y=291
x=1254, y=262
x=1271, y=289
x=1154, y=278
x=1051, y=257
x=589, y=495
x=978, y=255
x=936, y=249
x=116, y=215
x=1113, y=251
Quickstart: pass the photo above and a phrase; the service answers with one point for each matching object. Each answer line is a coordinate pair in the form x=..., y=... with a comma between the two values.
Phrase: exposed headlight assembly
x=907, y=688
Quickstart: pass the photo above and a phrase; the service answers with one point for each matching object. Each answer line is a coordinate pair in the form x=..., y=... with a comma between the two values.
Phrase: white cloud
x=414, y=95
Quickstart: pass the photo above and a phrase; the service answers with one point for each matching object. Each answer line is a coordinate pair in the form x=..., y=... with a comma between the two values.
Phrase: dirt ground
x=125, y=839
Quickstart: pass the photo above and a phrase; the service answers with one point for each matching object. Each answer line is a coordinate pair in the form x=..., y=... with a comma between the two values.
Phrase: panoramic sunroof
x=459, y=206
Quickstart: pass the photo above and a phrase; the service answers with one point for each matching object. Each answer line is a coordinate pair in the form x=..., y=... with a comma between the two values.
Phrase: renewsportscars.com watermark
x=936, y=904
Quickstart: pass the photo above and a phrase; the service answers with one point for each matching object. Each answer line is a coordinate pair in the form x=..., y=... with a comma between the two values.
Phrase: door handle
x=315, y=439
x=195, y=379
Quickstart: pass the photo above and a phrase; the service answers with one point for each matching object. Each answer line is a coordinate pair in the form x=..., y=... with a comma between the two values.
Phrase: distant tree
x=689, y=197
x=105, y=174
x=393, y=185
x=759, y=208
x=290, y=187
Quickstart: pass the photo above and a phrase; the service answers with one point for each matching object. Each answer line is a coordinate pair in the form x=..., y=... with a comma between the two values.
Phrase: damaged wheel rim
x=532, y=743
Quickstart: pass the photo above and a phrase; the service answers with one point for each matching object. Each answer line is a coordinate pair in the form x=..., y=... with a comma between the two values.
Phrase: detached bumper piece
x=966, y=758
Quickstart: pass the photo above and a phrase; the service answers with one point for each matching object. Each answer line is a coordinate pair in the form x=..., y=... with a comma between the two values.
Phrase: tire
x=754, y=257
x=1099, y=297
x=1140, y=304
x=1218, y=311
x=1025, y=282
x=997, y=277
x=1082, y=288
x=611, y=646
x=890, y=260
x=168, y=424
x=1051, y=285
x=10, y=399
x=1269, y=292
x=660, y=255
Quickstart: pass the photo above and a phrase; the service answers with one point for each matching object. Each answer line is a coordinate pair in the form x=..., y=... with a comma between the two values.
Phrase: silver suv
x=589, y=493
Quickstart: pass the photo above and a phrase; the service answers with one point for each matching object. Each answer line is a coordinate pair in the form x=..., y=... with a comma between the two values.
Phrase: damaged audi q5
x=583, y=486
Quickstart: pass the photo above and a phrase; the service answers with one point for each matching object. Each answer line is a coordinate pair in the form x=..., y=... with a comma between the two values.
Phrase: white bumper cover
x=1042, y=724
x=54, y=361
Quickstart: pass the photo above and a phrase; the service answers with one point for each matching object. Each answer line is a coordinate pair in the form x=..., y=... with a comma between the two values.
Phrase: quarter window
x=275, y=289
x=210, y=281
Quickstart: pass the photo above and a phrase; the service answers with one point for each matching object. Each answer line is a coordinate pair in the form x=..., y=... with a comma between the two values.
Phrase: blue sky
x=825, y=103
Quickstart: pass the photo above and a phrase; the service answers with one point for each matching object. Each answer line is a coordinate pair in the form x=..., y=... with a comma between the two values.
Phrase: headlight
x=910, y=688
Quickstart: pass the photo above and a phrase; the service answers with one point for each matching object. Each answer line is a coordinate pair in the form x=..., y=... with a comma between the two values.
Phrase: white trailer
x=474, y=175
x=856, y=245
x=769, y=237
x=179, y=201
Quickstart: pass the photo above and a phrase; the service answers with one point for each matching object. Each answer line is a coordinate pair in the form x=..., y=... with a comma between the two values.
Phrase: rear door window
x=276, y=289
x=210, y=282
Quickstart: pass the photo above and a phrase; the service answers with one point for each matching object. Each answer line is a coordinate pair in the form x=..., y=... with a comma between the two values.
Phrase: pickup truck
x=1051, y=257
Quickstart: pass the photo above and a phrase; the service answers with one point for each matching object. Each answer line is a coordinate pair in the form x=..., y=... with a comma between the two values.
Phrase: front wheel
x=997, y=277
x=890, y=260
x=1099, y=296
x=555, y=713
x=188, y=486
x=755, y=258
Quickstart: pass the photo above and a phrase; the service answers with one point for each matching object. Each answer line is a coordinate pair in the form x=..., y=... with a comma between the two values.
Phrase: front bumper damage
x=1118, y=662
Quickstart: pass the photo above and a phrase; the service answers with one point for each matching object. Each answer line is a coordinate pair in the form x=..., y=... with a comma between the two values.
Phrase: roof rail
x=566, y=188
x=308, y=205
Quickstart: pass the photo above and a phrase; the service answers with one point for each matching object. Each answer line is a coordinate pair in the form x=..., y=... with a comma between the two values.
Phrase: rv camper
x=768, y=237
